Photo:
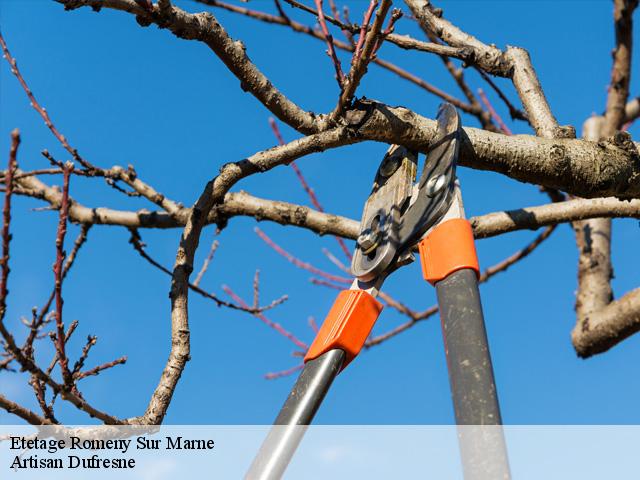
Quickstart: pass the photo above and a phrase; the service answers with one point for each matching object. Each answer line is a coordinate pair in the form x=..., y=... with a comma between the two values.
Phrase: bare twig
x=274, y=325
x=313, y=325
x=396, y=14
x=515, y=113
x=363, y=30
x=299, y=263
x=305, y=185
x=70, y=329
x=332, y=258
x=283, y=373
x=96, y=370
x=401, y=40
x=57, y=272
x=138, y=245
x=207, y=261
x=503, y=126
x=517, y=256
x=91, y=341
x=331, y=51
x=361, y=57
x=6, y=220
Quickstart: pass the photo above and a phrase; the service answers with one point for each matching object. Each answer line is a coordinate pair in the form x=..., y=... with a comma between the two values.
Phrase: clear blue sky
x=125, y=94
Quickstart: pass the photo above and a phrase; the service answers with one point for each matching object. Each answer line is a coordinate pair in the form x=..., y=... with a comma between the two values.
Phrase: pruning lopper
x=398, y=217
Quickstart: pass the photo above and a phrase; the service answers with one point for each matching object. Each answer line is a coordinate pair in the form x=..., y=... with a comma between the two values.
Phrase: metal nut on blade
x=435, y=184
x=368, y=242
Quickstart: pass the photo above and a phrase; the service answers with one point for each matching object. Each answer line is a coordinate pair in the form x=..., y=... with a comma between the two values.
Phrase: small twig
x=299, y=263
x=6, y=219
x=372, y=342
x=313, y=325
x=42, y=171
x=331, y=51
x=207, y=261
x=496, y=117
x=42, y=315
x=400, y=40
x=363, y=29
x=397, y=305
x=274, y=325
x=38, y=388
x=305, y=185
x=72, y=327
x=361, y=58
x=332, y=258
x=283, y=373
x=136, y=241
x=519, y=255
x=396, y=15
x=281, y=11
x=113, y=183
x=388, y=299
x=57, y=272
x=256, y=289
x=336, y=14
x=96, y=370
x=91, y=341
x=324, y=283
x=515, y=113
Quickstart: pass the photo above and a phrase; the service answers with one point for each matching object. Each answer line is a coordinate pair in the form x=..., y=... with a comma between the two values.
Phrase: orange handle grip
x=448, y=247
x=347, y=325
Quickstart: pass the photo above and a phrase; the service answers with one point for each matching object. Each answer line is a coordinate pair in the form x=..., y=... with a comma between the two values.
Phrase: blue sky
x=125, y=94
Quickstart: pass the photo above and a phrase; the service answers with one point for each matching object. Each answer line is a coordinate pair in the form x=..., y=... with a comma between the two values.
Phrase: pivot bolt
x=435, y=184
x=368, y=242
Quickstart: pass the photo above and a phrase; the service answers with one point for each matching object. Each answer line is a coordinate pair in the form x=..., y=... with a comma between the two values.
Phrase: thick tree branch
x=596, y=328
x=609, y=326
x=284, y=213
x=593, y=238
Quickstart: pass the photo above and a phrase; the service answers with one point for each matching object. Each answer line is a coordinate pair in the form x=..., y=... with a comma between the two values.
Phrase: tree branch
x=596, y=330
x=22, y=412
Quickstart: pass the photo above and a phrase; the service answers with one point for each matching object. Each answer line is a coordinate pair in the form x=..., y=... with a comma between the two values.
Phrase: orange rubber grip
x=448, y=247
x=347, y=325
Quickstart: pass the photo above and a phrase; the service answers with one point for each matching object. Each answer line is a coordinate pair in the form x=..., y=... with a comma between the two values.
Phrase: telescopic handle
x=298, y=410
x=473, y=388
x=450, y=263
x=337, y=343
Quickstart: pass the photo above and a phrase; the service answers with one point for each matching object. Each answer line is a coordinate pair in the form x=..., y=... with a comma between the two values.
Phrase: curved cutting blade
x=377, y=243
x=434, y=192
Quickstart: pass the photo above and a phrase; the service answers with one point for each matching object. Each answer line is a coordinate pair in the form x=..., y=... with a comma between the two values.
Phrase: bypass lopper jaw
x=398, y=213
x=398, y=217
